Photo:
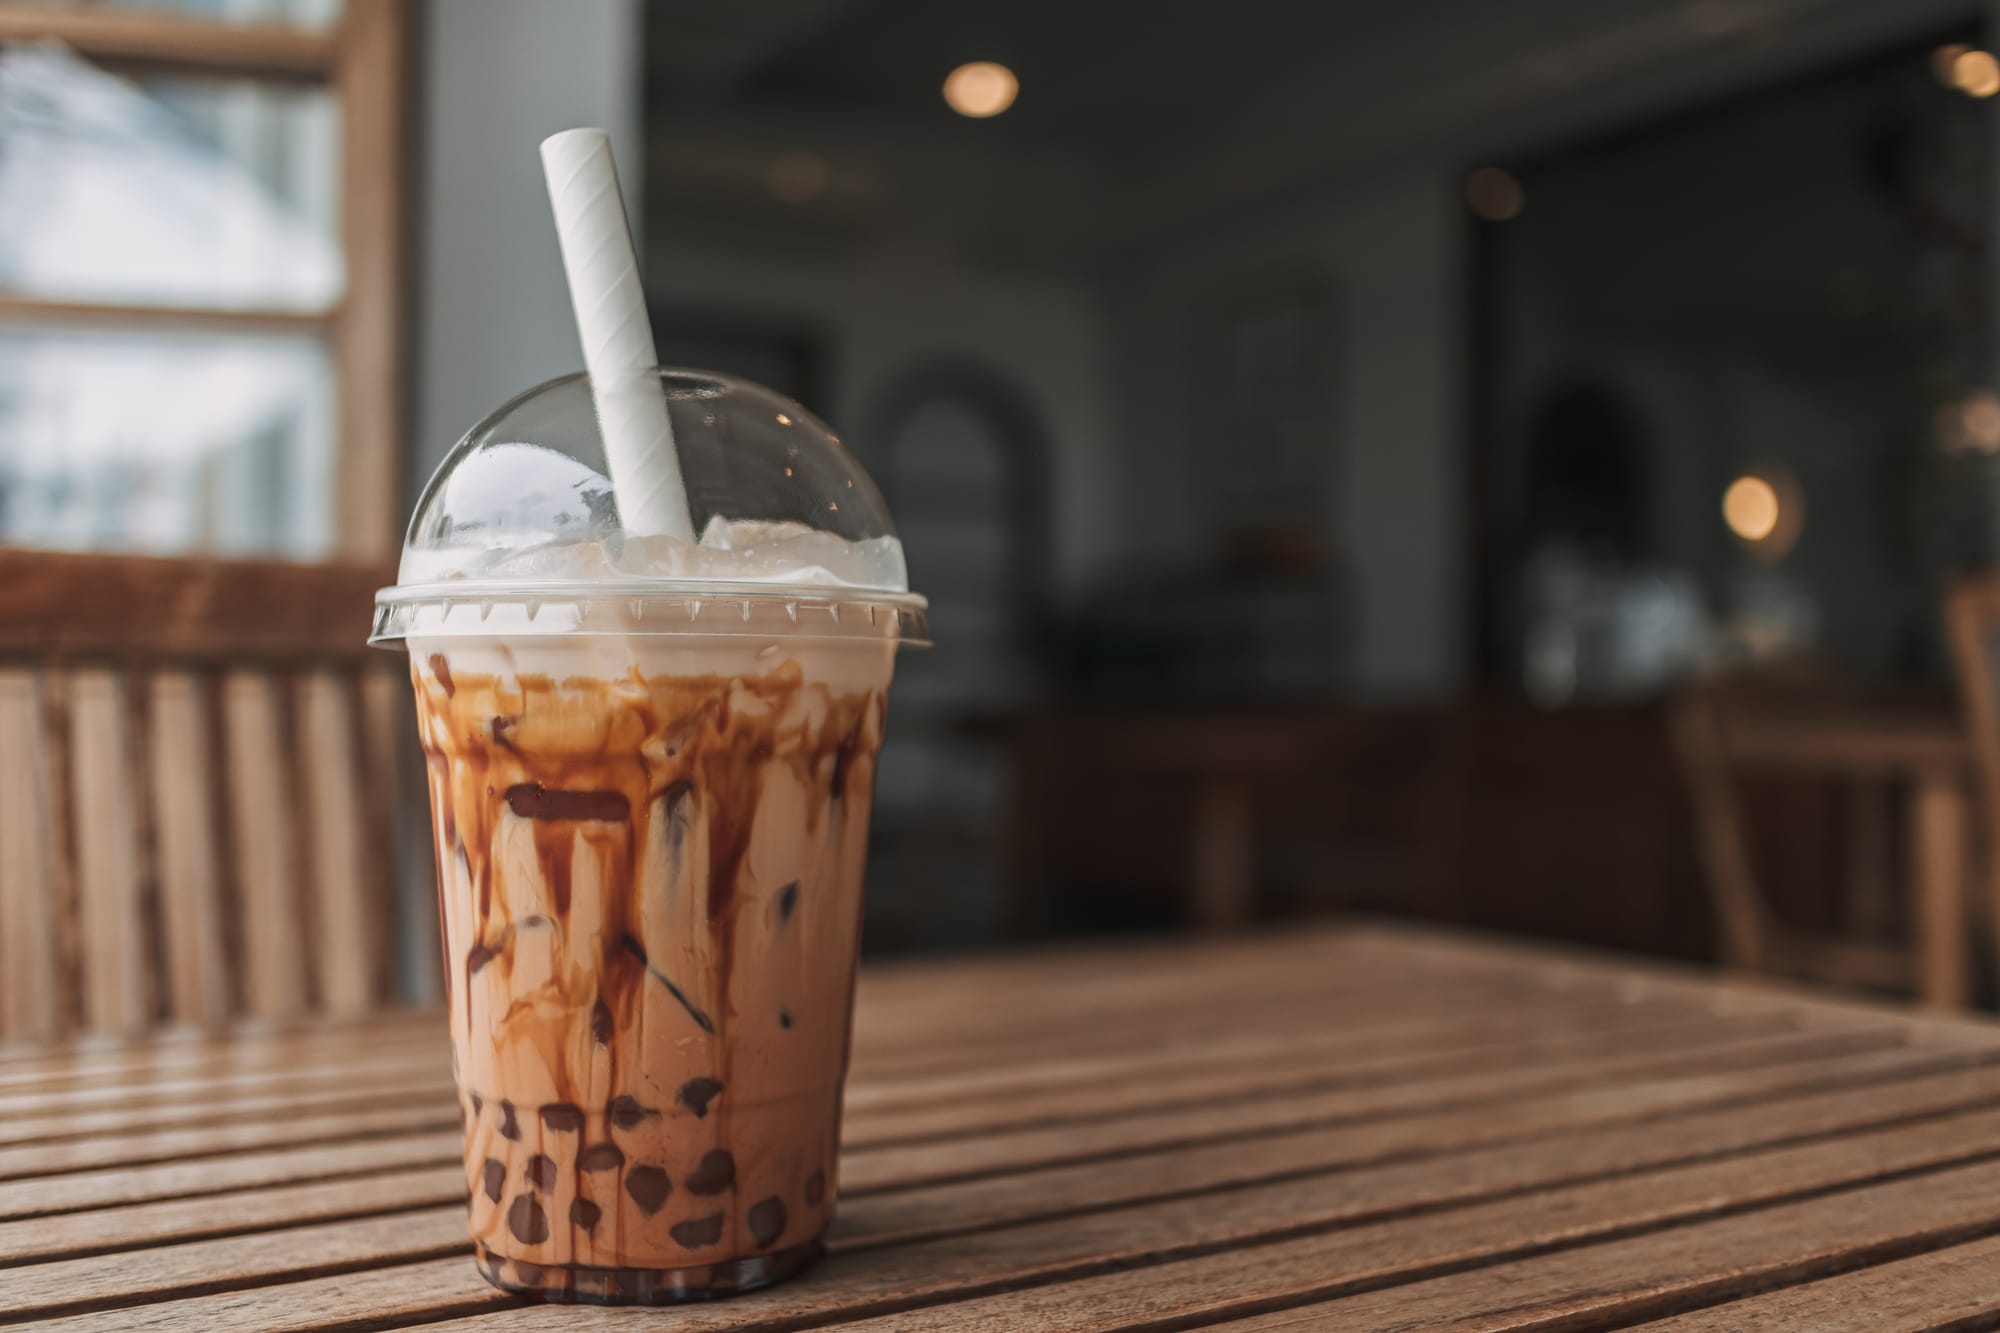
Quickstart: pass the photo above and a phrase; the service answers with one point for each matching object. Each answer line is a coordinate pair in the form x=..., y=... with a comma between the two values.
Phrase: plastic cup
x=650, y=790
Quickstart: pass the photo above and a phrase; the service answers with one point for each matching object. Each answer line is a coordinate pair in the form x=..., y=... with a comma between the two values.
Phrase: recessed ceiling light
x=981, y=89
x=1750, y=507
x=1765, y=509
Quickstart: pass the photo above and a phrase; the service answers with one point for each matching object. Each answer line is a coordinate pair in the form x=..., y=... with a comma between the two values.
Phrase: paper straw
x=616, y=334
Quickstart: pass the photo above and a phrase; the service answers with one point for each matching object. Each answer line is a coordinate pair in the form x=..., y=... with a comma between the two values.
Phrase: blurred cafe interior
x=1529, y=466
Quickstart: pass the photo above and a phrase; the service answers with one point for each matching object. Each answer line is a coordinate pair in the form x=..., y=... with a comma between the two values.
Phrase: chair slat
x=184, y=820
x=262, y=836
x=346, y=929
x=28, y=982
x=203, y=775
x=116, y=980
x=399, y=824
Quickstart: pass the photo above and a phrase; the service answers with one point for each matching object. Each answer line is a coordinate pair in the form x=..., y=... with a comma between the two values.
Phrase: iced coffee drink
x=650, y=765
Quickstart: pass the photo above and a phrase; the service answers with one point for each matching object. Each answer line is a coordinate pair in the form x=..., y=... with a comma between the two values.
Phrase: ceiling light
x=1750, y=508
x=981, y=89
x=1976, y=73
x=1765, y=510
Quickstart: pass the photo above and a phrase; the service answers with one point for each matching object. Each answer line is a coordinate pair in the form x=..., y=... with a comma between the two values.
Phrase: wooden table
x=1363, y=1128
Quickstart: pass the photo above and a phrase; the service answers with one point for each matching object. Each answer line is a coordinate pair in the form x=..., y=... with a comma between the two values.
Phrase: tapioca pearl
x=527, y=1221
x=563, y=1116
x=627, y=1112
x=698, y=1232
x=649, y=1188
x=767, y=1221
x=583, y=1213
x=715, y=1173
x=510, y=1128
x=541, y=1171
x=530, y=1274
x=494, y=1176
x=697, y=1093
x=600, y=1157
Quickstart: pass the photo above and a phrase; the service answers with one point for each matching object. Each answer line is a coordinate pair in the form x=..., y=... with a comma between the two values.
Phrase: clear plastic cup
x=650, y=768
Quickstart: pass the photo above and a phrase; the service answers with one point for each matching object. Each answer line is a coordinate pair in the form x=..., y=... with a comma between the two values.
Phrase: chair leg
x=1939, y=830
x=1743, y=929
x=1224, y=857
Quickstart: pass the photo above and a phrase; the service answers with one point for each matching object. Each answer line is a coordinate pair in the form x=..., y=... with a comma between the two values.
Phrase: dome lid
x=521, y=513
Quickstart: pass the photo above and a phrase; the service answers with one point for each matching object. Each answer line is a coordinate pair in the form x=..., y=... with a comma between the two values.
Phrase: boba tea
x=650, y=767
x=652, y=618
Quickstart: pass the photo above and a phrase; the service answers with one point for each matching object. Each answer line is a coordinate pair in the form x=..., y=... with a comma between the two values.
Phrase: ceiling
x=1136, y=117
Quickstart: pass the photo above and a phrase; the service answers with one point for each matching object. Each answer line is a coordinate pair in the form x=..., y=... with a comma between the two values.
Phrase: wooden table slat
x=1930, y=1292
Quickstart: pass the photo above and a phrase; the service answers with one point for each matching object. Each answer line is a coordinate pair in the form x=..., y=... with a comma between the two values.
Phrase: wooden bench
x=204, y=781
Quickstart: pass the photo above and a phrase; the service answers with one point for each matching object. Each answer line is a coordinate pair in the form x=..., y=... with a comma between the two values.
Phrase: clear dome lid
x=521, y=518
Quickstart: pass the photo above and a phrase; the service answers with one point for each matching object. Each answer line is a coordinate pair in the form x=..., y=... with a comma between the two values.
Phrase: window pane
x=313, y=15
x=165, y=443
x=164, y=190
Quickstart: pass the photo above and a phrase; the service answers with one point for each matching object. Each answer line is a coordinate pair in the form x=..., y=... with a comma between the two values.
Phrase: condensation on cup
x=650, y=763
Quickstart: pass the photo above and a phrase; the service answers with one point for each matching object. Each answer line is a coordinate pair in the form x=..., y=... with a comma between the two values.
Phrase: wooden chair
x=1972, y=622
x=1915, y=758
x=1352, y=807
x=201, y=782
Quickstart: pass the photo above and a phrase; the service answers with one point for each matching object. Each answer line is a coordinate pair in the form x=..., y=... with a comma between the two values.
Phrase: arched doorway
x=961, y=454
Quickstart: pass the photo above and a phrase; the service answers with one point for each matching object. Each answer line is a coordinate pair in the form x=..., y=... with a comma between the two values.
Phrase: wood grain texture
x=18, y=309
x=104, y=799
x=262, y=807
x=29, y=1007
x=183, y=783
x=1940, y=867
x=395, y=811
x=1586, y=1143
x=173, y=41
x=373, y=83
x=61, y=605
x=1972, y=622
x=1932, y=1291
x=345, y=926
x=256, y=1167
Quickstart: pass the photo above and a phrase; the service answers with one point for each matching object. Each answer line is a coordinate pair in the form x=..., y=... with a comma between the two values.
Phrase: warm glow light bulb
x=981, y=89
x=1976, y=73
x=1750, y=508
x=1979, y=420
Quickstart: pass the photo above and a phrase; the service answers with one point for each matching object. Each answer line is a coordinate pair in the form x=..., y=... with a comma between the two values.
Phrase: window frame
x=363, y=60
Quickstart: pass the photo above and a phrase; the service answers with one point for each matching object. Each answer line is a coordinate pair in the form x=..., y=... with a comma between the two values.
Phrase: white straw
x=616, y=334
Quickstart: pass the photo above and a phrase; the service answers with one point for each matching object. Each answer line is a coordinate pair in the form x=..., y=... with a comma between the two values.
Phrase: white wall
x=886, y=314
x=497, y=77
x=1396, y=522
